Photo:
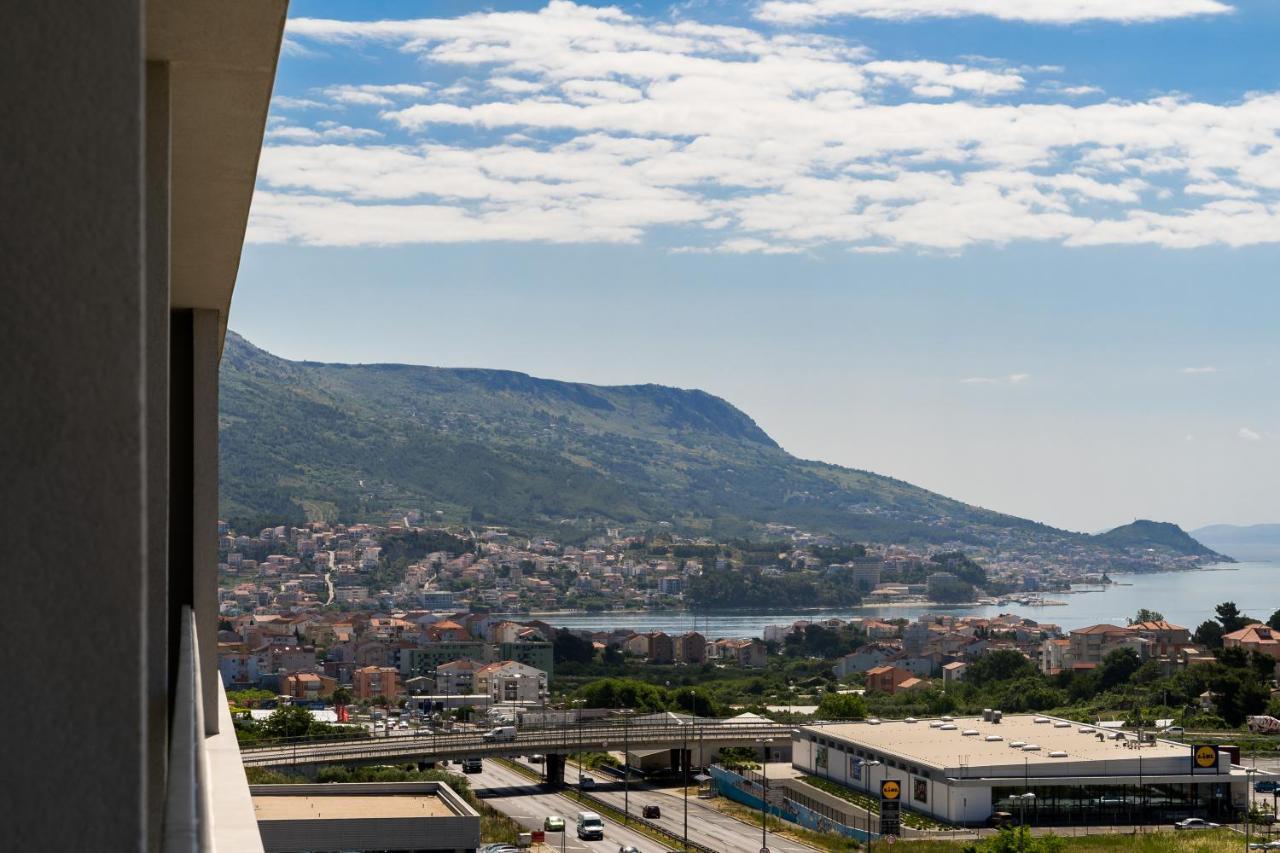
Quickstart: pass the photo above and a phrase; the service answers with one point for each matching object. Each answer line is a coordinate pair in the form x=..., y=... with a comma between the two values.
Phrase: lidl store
x=964, y=770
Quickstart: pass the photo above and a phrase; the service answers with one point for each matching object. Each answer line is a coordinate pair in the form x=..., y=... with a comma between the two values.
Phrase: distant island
x=1244, y=542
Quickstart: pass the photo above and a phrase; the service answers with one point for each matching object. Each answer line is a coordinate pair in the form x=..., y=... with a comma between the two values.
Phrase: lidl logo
x=1206, y=756
x=890, y=790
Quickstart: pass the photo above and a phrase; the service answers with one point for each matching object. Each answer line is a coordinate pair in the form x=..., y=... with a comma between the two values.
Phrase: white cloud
x=1011, y=379
x=375, y=95
x=327, y=132
x=1192, y=371
x=1248, y=434
x=285, y=102
x=791, y=141
x=1034, y=11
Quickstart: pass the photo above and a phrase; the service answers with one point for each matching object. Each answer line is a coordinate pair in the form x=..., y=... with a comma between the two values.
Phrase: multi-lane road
x=524, y=800
x=529, y=804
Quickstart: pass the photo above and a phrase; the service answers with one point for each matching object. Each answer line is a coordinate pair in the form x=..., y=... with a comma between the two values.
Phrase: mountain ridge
x=306, y=439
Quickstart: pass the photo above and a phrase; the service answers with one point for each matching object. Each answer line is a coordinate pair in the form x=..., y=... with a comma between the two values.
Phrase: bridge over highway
x=555, y=742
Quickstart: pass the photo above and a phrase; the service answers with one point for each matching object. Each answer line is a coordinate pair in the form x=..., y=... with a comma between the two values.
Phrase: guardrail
x=580, y=738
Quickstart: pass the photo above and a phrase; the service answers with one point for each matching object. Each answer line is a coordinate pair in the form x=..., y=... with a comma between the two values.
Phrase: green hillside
x=355, y=442
x=1161, y=535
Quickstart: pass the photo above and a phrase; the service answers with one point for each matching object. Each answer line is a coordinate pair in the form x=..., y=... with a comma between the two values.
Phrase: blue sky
x=1017, y=251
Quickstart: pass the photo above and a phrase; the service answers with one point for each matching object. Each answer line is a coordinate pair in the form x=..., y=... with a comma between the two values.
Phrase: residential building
x=953, y=672
x=690, y=647
x=1254, y=638
x=661, y=649
x=368, y=682
x=890, y=679
x=510, y=681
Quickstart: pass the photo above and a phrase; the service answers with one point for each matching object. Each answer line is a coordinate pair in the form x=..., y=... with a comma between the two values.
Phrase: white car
x=1195, y=823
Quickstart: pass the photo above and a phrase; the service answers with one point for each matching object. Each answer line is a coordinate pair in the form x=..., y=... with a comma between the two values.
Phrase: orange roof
x=1101, y=629
x=1158, y=625
x=1255, y=634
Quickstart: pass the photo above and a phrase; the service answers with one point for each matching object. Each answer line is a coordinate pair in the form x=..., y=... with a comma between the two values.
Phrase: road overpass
x=555, y=742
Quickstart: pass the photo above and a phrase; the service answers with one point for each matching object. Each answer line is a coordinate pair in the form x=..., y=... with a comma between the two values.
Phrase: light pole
x=870, y=835
x=684, y=775
x=764, y=792
x=626, y=766
x=1248, y=802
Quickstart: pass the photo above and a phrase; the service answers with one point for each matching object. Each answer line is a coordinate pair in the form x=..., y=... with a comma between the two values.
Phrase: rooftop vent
x=1031, y=747
x=993, y=738
x=1057, y=753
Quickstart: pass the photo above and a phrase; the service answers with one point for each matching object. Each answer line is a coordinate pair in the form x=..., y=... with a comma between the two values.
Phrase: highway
x=707, y=826
x=529, y=804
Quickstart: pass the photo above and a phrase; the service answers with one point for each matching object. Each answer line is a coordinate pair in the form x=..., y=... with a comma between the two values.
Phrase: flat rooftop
x=944, y=744
x=348, y=806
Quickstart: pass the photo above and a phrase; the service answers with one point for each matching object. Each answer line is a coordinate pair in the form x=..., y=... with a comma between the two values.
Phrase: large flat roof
x=348, y=806
x=944, y=744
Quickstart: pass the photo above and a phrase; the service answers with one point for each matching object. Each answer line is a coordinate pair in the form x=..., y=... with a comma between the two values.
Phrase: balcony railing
x=208, y=808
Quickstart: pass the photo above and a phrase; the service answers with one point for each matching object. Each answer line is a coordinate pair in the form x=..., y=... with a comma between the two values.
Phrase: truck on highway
x=1264, y=725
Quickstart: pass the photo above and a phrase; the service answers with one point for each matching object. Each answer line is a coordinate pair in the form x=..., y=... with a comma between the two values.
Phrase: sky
x=1020, y=252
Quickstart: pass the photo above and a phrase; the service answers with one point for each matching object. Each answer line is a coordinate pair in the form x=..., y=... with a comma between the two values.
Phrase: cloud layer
x=1033, y=11
x=580, y=124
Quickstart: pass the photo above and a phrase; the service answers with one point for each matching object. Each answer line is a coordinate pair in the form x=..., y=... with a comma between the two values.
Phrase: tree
x=842, y=706
x=1209, y=634
x=288, y=721
x=342, y=696
x=1231, y=617
x=696, y=701
x=568, y=647
x=1117, y=667
x=624, y=693
x=1274, y=621
x=1145, y=615
x=1000, y=665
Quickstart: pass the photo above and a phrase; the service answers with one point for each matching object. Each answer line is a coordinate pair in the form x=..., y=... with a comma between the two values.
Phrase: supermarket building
x=964, y=770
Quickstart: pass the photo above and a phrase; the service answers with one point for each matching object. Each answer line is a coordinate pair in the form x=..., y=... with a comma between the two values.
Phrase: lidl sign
x=1204, y=757
x=890, y=790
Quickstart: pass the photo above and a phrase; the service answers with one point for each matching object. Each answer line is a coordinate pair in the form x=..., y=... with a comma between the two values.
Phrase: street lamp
x=869, y=765
x=626, y=766
x=764, y=791
x=1248, y=802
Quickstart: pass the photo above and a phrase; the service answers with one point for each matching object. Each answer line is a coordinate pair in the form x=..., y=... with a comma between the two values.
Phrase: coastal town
x=401, y=609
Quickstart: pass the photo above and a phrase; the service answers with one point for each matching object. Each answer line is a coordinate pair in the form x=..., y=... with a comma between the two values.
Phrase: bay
x=1185, y=598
